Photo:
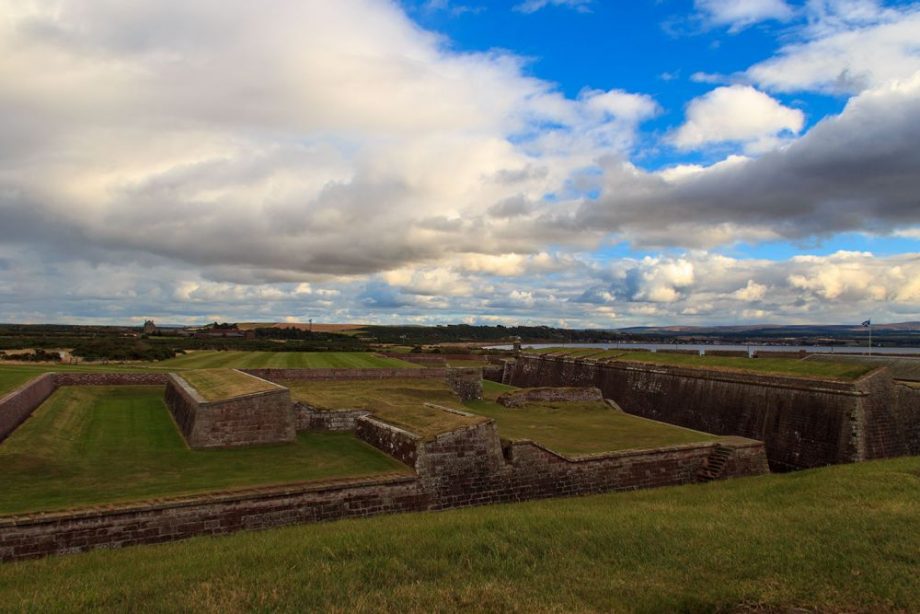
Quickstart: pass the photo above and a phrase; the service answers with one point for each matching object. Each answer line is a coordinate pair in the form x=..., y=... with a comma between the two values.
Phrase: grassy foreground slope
x=845, y=538
x=95, y=444
x=210, y=359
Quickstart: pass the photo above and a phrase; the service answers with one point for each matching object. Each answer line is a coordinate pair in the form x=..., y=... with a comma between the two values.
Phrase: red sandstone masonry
x=464, y=467
x=278, y=375
x=19, y=404
x=309, y=418
x=23, y=537
x=251, y=419
x=804, y=422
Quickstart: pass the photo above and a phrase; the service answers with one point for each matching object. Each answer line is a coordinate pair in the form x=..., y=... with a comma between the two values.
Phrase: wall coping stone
x=224, y=496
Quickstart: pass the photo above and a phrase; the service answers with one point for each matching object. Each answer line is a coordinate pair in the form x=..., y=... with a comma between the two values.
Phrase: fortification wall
x=277, y=375
x=804, y=423
x=24, y=537
x=907, y=411
x=69, y=378
x=519, y=398
x=309, y=418
x=19, y=404
x=253, y=419
x=468, y=466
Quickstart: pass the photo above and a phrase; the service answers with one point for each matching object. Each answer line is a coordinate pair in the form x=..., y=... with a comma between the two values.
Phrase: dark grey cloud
x=854, y=172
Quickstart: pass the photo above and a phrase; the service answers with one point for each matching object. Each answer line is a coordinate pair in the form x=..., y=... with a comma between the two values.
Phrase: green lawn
x=89, y=445
x=218, y=384
x=844, y=538
x=843, y=370
x=210, y=359
x=580, y=428
x=400, y=402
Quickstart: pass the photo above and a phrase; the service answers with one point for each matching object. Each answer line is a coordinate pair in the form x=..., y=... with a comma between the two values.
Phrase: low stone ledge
x=519, y=398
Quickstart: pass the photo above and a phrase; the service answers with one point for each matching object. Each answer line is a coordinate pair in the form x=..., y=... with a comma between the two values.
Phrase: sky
x=575, y=163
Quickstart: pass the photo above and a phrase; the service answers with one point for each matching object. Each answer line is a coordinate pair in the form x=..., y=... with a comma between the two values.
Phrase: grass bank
x=400, y=402
x=844, y=538
x=208, y=359
x=91, y=445
x=219, y=384
x=843, y=370
x=579, y=428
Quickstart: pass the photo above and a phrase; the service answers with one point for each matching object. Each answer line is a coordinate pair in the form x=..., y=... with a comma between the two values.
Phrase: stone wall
x=804, y=422
x=466, y=382
x=906, y=397
x=519, y=398
x=252, y=419
x=19, y=404
x=309, y=418
x=464, y=467
x=277, y=375
x=69, y=378
x=23, y=537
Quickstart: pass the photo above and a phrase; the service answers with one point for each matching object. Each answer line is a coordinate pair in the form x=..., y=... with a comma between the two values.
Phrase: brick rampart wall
x=252, y=419
x=519, y=398
x=19, y=404
x=465, y=467
x=150, y=523
x=277, y=375
x=804, y=423
x=907, y=410
x=68, y=378
x=309, y=418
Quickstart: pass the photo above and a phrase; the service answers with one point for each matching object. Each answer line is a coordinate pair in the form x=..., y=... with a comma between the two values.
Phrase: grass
x=399, y=402
x=211, y=359
x=844, y=538
x=219, y=384
x=580, y=427
x=783, y=366
x=92, y=445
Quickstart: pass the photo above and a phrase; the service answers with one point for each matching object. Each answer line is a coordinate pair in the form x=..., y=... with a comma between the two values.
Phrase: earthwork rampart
x=804, y=422
x=464, y=467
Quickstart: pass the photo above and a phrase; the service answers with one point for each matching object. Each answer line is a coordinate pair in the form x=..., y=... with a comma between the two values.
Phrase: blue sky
x=565, y=162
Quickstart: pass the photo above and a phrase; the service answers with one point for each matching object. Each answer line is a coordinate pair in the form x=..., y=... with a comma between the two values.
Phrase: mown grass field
x=843, y=370
x=210, y=359
x=218, y=384
x=839, y=539
x=400, y=402
x=91, y=445
x=579, y=428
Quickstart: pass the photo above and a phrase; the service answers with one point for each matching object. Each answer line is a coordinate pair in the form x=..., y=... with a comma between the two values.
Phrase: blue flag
x=867, y=323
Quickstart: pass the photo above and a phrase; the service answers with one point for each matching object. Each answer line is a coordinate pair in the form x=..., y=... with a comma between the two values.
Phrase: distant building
x=150, y=328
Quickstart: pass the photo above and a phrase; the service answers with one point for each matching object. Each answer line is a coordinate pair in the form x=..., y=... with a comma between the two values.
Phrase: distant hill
x=773, y=330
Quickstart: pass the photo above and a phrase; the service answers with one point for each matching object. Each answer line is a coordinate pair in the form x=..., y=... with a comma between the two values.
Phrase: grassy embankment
x=397, y=402
x=780, y=366
x=208, y=359
x=580, y=428
x=218, y=384
x=844, y=538
x=13, y=375
x=90, y=445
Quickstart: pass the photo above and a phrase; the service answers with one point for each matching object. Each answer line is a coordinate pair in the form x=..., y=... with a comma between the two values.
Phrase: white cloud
x=742, y=13
x=849, y=47
x=736, y=113
x=532, y=6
